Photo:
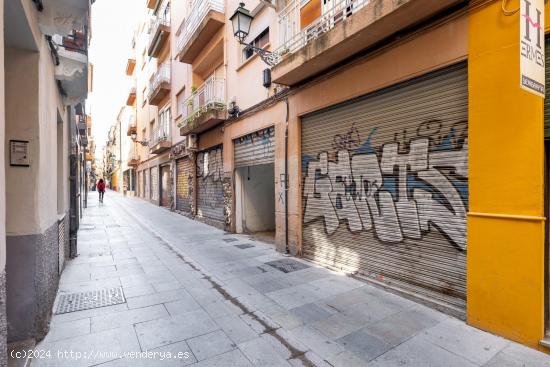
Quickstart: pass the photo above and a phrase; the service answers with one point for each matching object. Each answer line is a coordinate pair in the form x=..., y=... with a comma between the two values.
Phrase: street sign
x=531, y=31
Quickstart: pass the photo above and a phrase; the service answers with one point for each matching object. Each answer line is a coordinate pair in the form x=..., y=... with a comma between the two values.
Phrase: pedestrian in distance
x=101, y=189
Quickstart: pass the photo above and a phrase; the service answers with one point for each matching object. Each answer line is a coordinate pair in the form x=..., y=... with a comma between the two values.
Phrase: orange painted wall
x=505, y=260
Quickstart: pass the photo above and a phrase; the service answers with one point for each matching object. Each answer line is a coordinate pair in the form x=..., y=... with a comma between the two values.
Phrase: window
x=260, y=41
x=143, y=58
x=180, y=99
x=166, y=13
x=151, y=132
x=164, y=123
x=143, y=96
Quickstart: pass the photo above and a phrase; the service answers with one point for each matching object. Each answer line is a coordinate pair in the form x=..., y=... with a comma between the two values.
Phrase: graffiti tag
x=397, y=195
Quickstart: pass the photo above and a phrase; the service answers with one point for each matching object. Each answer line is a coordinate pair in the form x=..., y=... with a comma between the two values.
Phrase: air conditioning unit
x=192, y=142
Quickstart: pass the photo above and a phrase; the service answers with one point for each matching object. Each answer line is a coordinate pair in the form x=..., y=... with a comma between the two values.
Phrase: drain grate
x=287, y=265
x=230, y=239
x=244, y=246
x=86, y=227
x=92, y=299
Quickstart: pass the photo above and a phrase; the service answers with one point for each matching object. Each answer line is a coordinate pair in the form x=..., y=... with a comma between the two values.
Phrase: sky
x=113, y=24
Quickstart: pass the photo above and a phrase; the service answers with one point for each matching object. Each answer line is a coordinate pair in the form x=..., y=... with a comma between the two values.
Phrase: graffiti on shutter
x=155, y=183
x=256, y=148
x=385, y=186
x=184, y=185
x=209, y=184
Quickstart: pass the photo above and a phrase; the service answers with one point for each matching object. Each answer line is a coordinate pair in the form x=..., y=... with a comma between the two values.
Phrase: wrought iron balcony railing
x=199, y=10
x=162, y=75
x=292, y=36
x=209, y=96
x=158, y=134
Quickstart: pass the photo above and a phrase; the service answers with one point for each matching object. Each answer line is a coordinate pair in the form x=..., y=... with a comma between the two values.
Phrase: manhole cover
x=244, y=246
x=287, y=265
x=230, y=239
x=92, y=299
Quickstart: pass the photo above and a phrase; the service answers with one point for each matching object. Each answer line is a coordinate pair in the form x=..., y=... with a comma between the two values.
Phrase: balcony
x=133, y=157
x=159, y=140
x=152, y=4
x=72, y=68
x=60, y=17
x=132, y=126
x=81, y=125
x=313, y=38
x=205, y=108
x=205, y=19
x=160, y=35
x=130, y=66
x=131, y=97
x=159, y=85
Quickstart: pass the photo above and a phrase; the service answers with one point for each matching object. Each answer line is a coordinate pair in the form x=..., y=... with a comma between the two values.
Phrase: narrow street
x=195, y=295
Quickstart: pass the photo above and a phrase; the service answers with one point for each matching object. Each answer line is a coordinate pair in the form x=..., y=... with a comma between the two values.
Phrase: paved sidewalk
x=207, y=298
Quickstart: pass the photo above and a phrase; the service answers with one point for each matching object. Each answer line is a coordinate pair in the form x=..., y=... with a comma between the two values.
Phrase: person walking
x=101, y=189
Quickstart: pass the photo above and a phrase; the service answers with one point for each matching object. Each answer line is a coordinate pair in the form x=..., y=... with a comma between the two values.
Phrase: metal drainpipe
x=195, y=183
x=120, y=155
x=286, y=177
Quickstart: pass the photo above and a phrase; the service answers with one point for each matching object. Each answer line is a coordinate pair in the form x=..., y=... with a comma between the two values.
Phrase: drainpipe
x=120, y=155
x=286, y=177
x=195, y=182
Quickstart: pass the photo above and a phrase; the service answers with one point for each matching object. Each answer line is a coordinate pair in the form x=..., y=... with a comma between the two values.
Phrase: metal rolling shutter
x=547, y=100
x=154, y=183
x=147, y=193
x=385, y=191
x=209, y=185
x=256, y=148
x=138, y=184
x=166, y=186
x=183, y=184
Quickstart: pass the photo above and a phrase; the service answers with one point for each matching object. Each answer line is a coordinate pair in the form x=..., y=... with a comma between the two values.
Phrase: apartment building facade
x=44, y=137
x=371, y=137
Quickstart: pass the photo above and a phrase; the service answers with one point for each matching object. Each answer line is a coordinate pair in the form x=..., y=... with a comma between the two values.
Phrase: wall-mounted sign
x=531, y=32
x=19, y=153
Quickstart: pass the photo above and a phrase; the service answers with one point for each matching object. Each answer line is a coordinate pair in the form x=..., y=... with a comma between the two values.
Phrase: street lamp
x=241, y=20
x=133, y=135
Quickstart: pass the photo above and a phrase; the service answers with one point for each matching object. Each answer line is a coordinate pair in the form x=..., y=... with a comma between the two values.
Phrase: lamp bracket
x=270, y=58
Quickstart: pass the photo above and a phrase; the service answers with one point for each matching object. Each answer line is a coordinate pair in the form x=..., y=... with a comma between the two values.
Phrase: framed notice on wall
x=531, y=49
x=19, y=153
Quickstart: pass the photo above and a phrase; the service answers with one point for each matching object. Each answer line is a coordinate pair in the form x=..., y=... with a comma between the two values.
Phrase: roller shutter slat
x=417, y=134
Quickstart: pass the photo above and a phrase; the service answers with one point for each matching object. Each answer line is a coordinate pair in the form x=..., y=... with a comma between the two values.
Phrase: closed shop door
x=147, y=184
x=184, y=182
x=139, y=186
x=256, y=148
x=155, y=183
x=209, y=185
x=385, y=186
x=166, y=186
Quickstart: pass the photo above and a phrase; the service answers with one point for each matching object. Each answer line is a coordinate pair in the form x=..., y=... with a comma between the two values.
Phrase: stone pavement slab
x=193, y=298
